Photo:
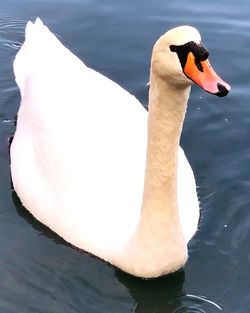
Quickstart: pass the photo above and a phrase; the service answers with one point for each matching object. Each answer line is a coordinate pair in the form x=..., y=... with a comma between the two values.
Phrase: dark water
x=39, y=272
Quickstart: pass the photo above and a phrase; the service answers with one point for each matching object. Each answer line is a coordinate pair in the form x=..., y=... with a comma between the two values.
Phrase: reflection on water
x=165, y=295
x=39, y=271
x=160, y=295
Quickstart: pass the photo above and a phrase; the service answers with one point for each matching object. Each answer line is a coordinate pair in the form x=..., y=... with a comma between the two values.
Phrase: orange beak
x=203, y=75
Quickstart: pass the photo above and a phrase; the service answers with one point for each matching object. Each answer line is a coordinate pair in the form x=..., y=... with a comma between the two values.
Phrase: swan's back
x=80, y=144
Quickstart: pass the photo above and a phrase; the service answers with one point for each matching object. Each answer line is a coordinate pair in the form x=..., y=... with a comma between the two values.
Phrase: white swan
x=78, y=157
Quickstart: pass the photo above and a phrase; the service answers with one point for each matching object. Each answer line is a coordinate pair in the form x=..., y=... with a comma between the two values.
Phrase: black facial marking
x=198, y=65
x=199, y=51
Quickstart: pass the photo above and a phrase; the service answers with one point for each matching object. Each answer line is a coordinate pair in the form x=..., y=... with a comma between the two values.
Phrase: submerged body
x=79, y=161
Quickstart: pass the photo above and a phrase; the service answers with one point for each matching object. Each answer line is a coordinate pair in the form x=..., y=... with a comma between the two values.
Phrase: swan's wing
x=78, y=133
x=187, y=197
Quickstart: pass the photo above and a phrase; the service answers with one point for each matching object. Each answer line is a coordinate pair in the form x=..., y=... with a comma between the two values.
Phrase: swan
x=92, y=164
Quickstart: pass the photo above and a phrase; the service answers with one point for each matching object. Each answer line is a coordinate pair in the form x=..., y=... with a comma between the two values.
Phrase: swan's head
x=180, y=57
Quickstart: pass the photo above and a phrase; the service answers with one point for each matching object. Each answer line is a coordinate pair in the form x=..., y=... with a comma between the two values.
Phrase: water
x=39, y=272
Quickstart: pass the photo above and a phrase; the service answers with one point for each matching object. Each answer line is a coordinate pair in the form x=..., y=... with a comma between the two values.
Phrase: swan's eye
x=173, y=48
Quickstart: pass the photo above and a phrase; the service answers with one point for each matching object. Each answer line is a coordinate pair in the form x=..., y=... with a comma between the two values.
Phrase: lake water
x=39, y=272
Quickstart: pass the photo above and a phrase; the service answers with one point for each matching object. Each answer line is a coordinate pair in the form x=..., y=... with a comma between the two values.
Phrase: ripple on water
x=197, y=304
x=11, y=32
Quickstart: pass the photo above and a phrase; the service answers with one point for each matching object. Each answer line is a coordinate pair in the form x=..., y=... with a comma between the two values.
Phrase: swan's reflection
x=166, y=295
x=155, y=296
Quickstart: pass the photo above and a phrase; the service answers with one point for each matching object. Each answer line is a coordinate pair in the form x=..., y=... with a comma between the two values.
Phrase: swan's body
x=78, y=160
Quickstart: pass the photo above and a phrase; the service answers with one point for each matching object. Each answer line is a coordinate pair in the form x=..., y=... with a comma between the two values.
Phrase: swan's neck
x=167, y=108
x=159, y=245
